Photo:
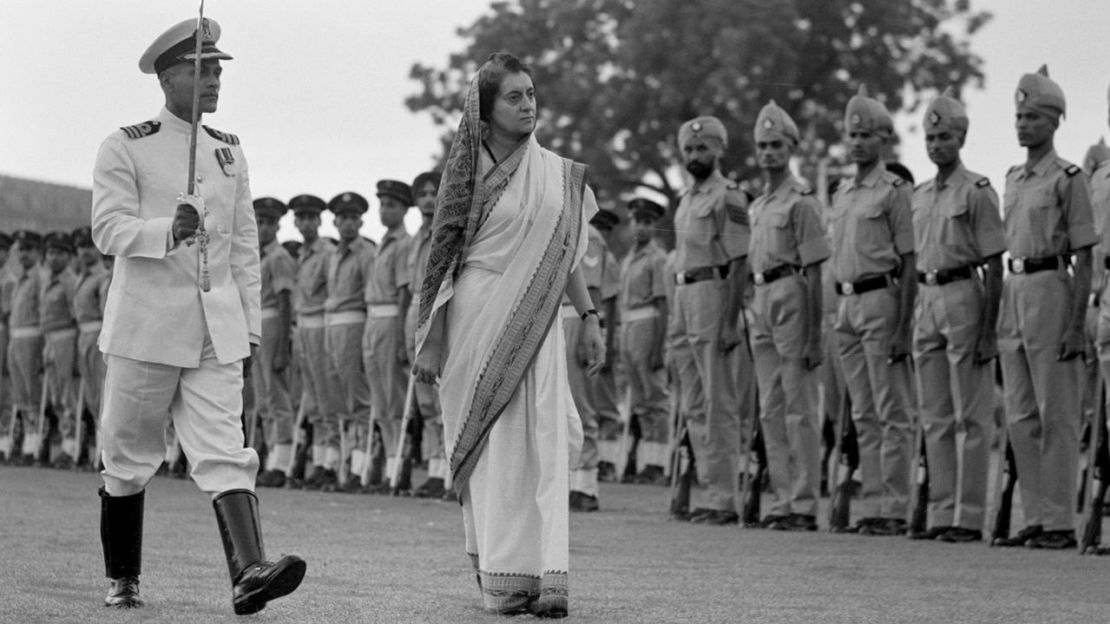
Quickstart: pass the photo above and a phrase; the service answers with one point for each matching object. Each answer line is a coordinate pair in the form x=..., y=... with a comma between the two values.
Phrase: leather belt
x=1033, y=265
x=861, y=286
x=944, y=276
x=701, y=274
x=770, y=275
x=25, y=332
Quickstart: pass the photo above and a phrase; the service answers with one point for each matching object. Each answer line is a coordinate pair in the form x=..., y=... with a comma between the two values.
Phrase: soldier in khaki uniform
x=25, y=342
x=957, y=229
x=318, y=387
x=711, y=247
x=873, y=266
x=270, y=368
x=89, y=294
x=7, y=285
x=425, y=395
x=592, y=395
x=1047, y=213
x=643, y=333
x=59, y=331
x=345, y=318
x=384, y=351
x=787, y=248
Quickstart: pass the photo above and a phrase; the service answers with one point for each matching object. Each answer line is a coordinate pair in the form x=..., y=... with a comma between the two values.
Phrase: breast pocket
x=781, y=234
x=957, y=225
x=872, y=230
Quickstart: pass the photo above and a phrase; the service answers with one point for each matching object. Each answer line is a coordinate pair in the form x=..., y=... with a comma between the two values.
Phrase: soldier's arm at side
x=283, y=343
x=814, y=313
x=986, y=348
x=117, y=228
x=1074, y=342
x=1076, y=198
x=907, y=292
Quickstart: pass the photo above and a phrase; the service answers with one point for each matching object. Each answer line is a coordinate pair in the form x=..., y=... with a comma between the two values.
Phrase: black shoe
x=377, y=489
x=580, y=501
x=352, y=486
x=885, y=527
x=329, y=481
x=932, y=533
x=607, y=472
x=652, y=475
x=795, y=522
x=432, y=488
x=1054, y=540
x=1022, y=536
x=960, y=535
x=717, y=517
x=123, y=593
x=265, y=581
x=696, y=513
x=63, y=462
x=863, y=524
x=271, y=478
x=768, y=521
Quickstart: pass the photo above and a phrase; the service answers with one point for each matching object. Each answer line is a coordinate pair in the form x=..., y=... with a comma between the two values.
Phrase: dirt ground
x=385, y=559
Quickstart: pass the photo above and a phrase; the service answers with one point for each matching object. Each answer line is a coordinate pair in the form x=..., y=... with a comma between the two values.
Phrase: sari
x=510, y=425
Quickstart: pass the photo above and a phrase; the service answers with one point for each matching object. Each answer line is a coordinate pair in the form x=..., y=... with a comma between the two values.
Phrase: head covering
x=310, y=204
x=58, y=240
x=269, y=207
x=645, y=210
x=774, y=123
x=27, y=238
x=1096, y=155
x=178, y=45
x=605, y=219
x=397, y=190
x=1038, y=92
x=6, y=241
x=866, y=113
x=428, y=176
x=348, y=203
x=946, y=113
x=705, y=127
x=82, y=237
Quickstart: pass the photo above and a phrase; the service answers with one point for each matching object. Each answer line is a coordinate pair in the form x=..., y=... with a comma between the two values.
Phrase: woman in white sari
x=509, y=231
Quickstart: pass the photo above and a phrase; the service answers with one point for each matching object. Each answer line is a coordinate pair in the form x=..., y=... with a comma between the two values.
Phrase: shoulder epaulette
x=1072, y=170
x=983, y=183
x=226, y=137
x=141, y=130
x=898, y=181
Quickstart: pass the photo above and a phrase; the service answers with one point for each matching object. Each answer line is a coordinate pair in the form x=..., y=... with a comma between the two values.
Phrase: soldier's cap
x=774, y=123
x=428, y=176
x=946, y=113
x=397, y=190
x=58, y=240
x=866, y=113
x=1039, y=93
x=348, y=203
x=706, y=127
x=82, y=237
x=178, y=45
x=6, y=241
x=1096, y=155
x=306, y=203
x=27, y=238
x=645, y=210
x=270, y=207
x=605, y=219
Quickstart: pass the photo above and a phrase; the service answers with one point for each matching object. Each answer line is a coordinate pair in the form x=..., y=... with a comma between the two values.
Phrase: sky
x=316, y=91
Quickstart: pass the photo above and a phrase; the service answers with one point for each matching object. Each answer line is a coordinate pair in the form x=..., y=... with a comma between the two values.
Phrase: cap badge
x=696, y=126
x=1021, y=95
x=768, y=124
x=346, y=198
x=856, y=119
x=934, y=118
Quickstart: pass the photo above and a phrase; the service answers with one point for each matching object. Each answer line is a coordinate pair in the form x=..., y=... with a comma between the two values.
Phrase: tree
x=615, y=78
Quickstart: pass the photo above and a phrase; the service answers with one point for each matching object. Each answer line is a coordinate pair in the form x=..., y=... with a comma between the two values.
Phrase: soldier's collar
x=1040, y=168
x=708, y=183
x=958, y=174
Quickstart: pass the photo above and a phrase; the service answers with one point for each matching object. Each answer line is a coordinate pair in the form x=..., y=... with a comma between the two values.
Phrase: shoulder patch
x=226, y=137
x=737, y=210
x=141, y=130
x=1072, y=170
x=983, y=183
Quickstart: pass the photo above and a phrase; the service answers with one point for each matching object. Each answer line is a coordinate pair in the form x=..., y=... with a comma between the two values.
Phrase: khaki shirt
x=872, y=227
x=347, y=272
x=56, y=301
x=278, y=273
x=89, y=294
x=956, y=224
x=1100, y=206
x=312, y=277
x=643, y=277
x=1047, y=209
x=8, y=282
x=25, y=298
x=390, y=268
x=420, y=247
x=786, y=228
x=711, y=224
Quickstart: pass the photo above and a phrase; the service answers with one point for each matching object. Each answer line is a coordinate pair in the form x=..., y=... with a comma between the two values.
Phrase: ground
x=385, y=559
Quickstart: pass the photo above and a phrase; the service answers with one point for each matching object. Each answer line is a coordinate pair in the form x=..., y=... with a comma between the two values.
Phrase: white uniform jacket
x=156, y=311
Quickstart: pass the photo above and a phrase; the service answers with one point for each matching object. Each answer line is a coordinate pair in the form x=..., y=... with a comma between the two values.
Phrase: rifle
x=628, y=442
x=846, y=454
x=42, y=440
x=399, y=471
x=1098, y=476
x=1004, y=491
x=919, y=509
x=752, y=488
x=79, y=433
x=300, y=441
x=682, y=475
x=828, y=440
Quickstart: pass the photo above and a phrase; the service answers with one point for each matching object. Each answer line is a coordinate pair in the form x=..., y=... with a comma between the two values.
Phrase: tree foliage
x=615, y=78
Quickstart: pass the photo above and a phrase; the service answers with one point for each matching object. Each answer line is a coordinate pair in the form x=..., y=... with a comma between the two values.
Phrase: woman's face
x=514, y=108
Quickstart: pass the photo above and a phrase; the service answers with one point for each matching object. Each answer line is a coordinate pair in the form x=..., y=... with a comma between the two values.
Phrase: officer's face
x=642, y=230
x=177, y=83
x=267, y=228
x=774, y=154
x=392, y=211
x=348, y=225
x=1033, y=128
x=307, y=223
x=514, y=108
x=426, y=199
x=57, y=259
x=943, y=146
x=699, y=155
x=28, y=256
x=87, y=255
x=864, y=146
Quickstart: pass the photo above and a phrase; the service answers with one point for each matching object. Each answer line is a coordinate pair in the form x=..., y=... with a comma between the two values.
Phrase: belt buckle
x=847, y=289
x=1018, y=265
x=931, y=278
x=680, y=278
x=759, y=279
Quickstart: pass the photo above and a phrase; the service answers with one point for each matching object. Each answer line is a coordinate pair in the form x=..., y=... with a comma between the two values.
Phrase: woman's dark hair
x=490, y=76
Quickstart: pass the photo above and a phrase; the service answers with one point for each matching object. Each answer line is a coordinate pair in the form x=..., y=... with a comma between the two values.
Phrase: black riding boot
x=121, y=534
x=254, y=581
